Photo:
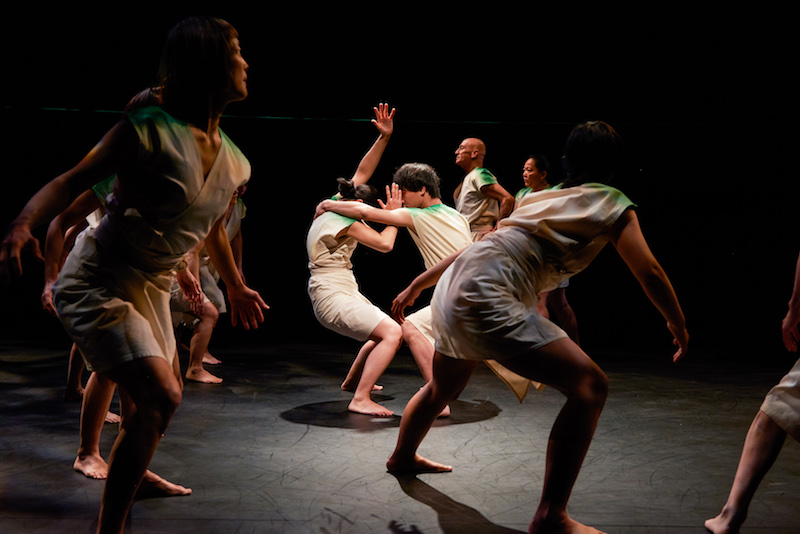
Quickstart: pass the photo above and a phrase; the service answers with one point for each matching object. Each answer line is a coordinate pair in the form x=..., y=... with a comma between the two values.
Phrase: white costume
x=337, y=302
x=481, y=211
x=484, y=305
x=114, y=290
x=782, y=403
x=438, y=232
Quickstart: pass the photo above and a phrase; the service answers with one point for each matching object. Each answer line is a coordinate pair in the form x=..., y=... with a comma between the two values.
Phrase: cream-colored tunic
x=481, y=211
x=438, y=232
x=332, y=287
x=114, y=290
x=484, y=305
x=782, y=403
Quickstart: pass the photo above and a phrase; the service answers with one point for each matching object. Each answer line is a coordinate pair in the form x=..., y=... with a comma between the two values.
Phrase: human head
x=415, y=177
x=534, y=172
x=197, y=61
x=594, y=152
x=470, y=153
x=366, y=193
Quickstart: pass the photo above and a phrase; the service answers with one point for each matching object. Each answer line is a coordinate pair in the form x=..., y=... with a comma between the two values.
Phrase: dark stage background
x=701, y=98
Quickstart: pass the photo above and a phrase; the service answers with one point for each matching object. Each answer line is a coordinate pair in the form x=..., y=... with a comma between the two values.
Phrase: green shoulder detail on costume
x=485, y=176
x=615, y=193
x=345, y=220
x=444, y=208
x=522, y=192
x=243, y=207
x=104, y=188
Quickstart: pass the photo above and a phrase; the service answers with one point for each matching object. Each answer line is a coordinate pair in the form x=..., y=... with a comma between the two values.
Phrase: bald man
x=479, y=197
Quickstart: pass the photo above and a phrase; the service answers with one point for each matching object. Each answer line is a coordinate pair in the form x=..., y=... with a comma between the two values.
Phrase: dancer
x=438, y=231
x=479, y=197
x=777, y=418
x=332, y=287
x=484, y=305
x=176, y=173
x=535, y=173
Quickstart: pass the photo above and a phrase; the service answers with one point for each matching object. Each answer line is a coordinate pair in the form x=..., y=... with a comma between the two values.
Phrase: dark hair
x=144, y=98
x=367, y=193
x=415, y=176
x=542, y=165
x=197, y=61
x=594, y=152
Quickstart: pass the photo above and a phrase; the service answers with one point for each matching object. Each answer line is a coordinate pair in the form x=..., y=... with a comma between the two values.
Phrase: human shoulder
x=484, y=177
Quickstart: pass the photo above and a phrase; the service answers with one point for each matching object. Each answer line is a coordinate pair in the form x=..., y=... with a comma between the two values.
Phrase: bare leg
x=565, y=315
x=449, y=378
x=74, y=390
x=423, y=351
x=385, y=341
x=761, y=447
x=96, y=402
x=564, y=366
x=151, y=384
x=357, y=367
x=198, y=346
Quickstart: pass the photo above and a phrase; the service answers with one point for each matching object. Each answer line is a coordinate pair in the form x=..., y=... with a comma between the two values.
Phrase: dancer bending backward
x=438, y=231
x=335, y=297
x=484, y=306
x=778, y=417
x=176, y=172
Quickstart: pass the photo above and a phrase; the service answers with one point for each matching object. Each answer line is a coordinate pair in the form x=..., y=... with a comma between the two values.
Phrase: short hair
x=594, y=152
x=197, y=61
x=144, y=98
x=365, y=192
x=415, y=176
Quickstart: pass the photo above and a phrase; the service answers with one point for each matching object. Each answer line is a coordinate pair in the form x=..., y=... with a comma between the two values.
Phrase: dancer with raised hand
x=484, y=306
x=332, y=287
x=176, y=173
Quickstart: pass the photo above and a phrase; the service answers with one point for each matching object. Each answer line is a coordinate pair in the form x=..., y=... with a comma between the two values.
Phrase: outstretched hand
x=247, y=307
x=394, y=198
x=681, y=340
x=18, y=239
x=384, y=120
x=403, y=300
x=789, y=330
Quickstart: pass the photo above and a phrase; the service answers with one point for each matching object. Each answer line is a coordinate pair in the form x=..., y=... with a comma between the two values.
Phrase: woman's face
x=239, y=73
x=531, y=176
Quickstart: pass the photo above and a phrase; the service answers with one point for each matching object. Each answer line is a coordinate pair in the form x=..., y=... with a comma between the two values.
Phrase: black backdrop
x=702, y=99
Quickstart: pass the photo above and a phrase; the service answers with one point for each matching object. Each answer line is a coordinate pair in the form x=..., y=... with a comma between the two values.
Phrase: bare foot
x=210, y=360
x=155, y=486
x=369, y=407
x=445, y=412
x=562, y=525
x=348, y=386
x=721, y=525
x=201, y=375
x=417, y=465
x=91, y=466
x=111, y=417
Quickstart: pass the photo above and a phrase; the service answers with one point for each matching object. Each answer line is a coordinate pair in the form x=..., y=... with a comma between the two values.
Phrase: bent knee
x=593, y=386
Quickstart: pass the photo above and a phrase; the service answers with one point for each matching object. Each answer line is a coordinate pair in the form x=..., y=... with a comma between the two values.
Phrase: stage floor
x=273, y=449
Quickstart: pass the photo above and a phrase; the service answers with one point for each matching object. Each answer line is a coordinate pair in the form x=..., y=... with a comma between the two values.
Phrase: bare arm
x=237, y=247
x=427, y=279
x=60, y=234
x=498, y=193
x=384, y=122
x=361, y=211
x=381, y=241
x=789, y=329
x=626, y=236
x=246, y=304
x=102, y=161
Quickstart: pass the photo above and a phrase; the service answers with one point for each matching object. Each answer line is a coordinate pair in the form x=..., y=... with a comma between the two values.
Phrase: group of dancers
x=491, y=260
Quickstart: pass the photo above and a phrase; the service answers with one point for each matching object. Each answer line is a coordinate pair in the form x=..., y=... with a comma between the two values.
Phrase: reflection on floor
x=273, y=449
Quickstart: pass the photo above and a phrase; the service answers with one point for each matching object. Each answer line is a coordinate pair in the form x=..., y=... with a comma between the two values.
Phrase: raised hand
x=384, y=119
x=394, y=198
